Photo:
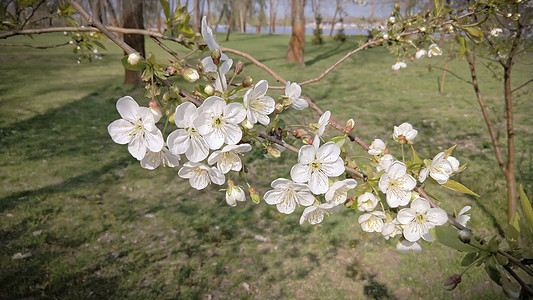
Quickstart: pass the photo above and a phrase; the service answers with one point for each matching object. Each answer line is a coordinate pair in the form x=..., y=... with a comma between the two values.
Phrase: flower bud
x=274, y=152
x=350, y=201
x=278, y=108
x=308, y=141
x=246, y=124
x=171, y=70
x=156, y=111
x=134, y=59
x=166, y=97
x=465, y=236
x=386, y=36
x=392, y=20
x=451, y=282
x=209, y=90
x=254, y=195
x=422, y=29
x=397, y=7
x=298, y=133
x=215, y=56
x=350, y=124
x=247, y=81
x=190, y=74
x=239, y=67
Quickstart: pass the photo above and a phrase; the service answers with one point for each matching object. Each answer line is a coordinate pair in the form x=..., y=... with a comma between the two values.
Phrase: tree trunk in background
x=295, y=52
x=112, y=15
x=196, y=16
x=132, y=11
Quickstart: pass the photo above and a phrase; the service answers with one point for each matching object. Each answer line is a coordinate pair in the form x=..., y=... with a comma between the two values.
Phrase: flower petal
x=318, y=183
x=120, y=131
x=300, y=173
x=127, y=108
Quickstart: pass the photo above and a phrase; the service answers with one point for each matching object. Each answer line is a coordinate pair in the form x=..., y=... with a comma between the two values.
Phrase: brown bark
x=295, y=52
x=334, y=18
x=510, y=174
x=133, y=18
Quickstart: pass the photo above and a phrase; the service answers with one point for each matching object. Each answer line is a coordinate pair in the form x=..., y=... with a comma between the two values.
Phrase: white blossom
x=434, y=50
x=372, y=222
x=420, y=53
x=293, y=92
x=229, y=158
x=316, y=164
x=391, y=229
x=404, y=246
x=207, y=62
x=398, y=65
x=186, y=139
x=338, y=192
x=136, y=128
x=134, y=59
x=397, y=184
x=235, y=194
x=315, y=214
x=286, y=195
x=405, y=133
x=367, y=202
x=496, y=31
x=201, y=175
x=323, y=121
x=377, y=147
x=258, y=105
x=440, y=169
x=219, y=122
x=384, y=162
x=462, y=218
x=419, y=219
x=152, y=160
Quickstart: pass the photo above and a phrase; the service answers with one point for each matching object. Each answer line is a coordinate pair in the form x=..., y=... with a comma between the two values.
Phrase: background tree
x=132, y=12
x=295, y=52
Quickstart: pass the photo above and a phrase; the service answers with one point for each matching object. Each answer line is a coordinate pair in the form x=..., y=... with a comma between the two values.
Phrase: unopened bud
x=166, y=97
x=516, y=17
x=278, y=108
x=298, y=133
x=397, y=7
x=392, y=20
x=308, y=141
x=350, y=124
x=247, y=81
x=509, y=15
x=254, y=195
x=386, y=36
x=215, y=56
x=156, y=111
x=350, y=201
x=239, y=67
x=246, y=124
x=171, y=70
x=274, y=152
x=451, y=282
x=134, y=59
x=422, y=29
x=209, y=90
x=190, y=74
x=465, y=236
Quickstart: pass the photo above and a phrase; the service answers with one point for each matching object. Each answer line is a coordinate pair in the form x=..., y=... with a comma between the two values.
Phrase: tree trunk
x=133, y=18
x=510, y=172
x=196, y=16
x=334, y=19
x=295, y=52
x=112, y=15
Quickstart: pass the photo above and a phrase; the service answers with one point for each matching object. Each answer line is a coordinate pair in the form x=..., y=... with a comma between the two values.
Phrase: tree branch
x=35, y=47
x=523, y=284
x=488, y=122
x=32, y=13
x=522, y=85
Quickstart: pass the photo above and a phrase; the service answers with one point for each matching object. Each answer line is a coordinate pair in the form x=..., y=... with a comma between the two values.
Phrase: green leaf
x=414, y=157
x=513, y=229
x=338, y=140
x=462, y=46
x=141, y=65
x=450, y=151
x=97, y=43
x=166, y=8
x=494, y=244
x=526, y=207
x=502, y=260
x=469, y=259
x=474, y=33
x=456, y=186
x=492, y=269
x=448, y=237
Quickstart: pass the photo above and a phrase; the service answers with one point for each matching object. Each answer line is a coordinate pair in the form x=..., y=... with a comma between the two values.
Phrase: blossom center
x=420, y=218
x=315, y=166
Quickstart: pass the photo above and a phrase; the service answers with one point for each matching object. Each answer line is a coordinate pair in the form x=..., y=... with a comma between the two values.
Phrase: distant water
x=308, y=30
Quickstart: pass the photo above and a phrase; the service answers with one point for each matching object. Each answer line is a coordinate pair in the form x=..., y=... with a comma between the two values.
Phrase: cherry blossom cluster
x=208, y=144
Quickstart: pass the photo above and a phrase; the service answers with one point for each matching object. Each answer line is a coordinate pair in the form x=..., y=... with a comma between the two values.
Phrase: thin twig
x=166, y=48
x=257, y=63
x=32, y=13
x=453, y=74
x=516, y=262
x=35, y=47
x=522, y=85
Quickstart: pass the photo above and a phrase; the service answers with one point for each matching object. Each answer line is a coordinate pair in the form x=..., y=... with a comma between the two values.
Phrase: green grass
x=111, y=229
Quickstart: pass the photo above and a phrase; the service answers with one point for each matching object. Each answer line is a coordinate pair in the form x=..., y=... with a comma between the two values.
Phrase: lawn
x=97, y=225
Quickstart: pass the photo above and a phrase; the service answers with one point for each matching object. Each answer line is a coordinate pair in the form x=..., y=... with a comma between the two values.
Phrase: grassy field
x=99, y=226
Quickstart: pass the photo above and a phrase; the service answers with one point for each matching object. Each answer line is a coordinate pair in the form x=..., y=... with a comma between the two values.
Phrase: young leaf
x=166, y=8
x=449, y=151
x=526, y=207
x=469, y=258
x=448, y=237
x=456, y=186
x=462, y=45
x=414, y=156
